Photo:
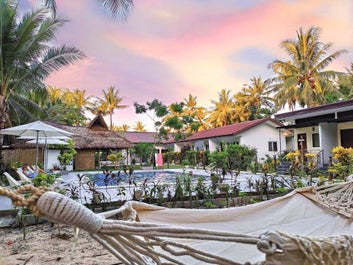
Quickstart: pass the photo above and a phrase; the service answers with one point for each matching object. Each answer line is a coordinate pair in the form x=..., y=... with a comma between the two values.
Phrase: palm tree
x=26, y=59
x=223, y=111
x=255, y=99
x=117, y=8
x=345, y=84
x=198, y=114
x=201, y=115
x=77, y=99
x=111, y=101
x=121, y=128
x=139, y=127
x=65, y=106
x=54, y=94
x=302, y=79
x=190, y=105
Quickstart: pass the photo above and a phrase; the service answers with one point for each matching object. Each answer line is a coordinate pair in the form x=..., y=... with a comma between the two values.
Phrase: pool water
x=121, y=178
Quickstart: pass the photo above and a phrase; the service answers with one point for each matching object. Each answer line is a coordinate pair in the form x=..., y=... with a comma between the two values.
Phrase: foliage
x=311, y=168
x=219, y=164
x=342, y=164
x=232, y=160
x=115, y=157
x=269, y=166
x=302, y=79
x=110, y=101
x=117, y=9
x=64, y=106
x=294, y=157
x=191, y=157
x=28, y=58
x=143, y=151
x=254, y=101
x=67, y=153
x=158, y=110
x=43, y=179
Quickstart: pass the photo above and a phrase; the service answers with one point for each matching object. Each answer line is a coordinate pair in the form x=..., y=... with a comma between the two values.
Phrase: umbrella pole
x=46, y=151
x=37, y=150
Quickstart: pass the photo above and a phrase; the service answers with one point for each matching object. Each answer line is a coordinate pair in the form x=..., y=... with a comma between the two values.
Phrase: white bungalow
x=261, y=134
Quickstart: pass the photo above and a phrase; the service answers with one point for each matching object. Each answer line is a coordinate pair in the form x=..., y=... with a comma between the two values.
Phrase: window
x=272, y=146
x=315, y=140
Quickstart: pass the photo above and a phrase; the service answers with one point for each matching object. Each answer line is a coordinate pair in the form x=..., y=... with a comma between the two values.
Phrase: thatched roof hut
x=96, y=136
x=90, y=141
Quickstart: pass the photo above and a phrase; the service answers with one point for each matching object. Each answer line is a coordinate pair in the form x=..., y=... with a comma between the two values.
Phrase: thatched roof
x=95, y=136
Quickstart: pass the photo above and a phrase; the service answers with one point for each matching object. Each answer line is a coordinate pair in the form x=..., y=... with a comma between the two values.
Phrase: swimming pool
x=116, y=178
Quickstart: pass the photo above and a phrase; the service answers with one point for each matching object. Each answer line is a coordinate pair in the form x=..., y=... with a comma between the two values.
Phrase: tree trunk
x=3, y=121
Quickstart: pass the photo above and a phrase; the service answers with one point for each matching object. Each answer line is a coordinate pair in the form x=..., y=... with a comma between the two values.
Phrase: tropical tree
x=197, y=113
x=222, y=113
x=345, y=84
x=253, y=101
x=155, y=110
x=117, y=8
x=177, y=123
x=54, y=94
x=121, y=128
x=139, y=127
x=67, y=107
x=143, y=151
x=302, y=79
x=26, y=59
x=111, y=101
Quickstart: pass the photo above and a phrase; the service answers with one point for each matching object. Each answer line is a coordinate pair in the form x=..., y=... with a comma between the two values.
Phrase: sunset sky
x=168, y=49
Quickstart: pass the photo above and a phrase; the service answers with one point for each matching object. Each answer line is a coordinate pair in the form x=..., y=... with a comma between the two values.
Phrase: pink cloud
x=168, y=49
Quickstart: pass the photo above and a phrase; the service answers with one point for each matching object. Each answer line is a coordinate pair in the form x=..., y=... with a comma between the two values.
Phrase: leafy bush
x=44, y=180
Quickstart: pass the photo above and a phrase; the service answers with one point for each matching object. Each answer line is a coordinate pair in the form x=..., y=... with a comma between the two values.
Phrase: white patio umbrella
x=37, y=129
x=63, y=137
x=47, y=141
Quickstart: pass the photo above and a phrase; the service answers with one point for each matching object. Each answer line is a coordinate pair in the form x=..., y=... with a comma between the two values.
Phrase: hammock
x=315, y=228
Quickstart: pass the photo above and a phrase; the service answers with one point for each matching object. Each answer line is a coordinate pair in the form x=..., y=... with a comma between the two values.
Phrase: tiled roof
x=232, y=129
x=319, y=110
x=139, y=137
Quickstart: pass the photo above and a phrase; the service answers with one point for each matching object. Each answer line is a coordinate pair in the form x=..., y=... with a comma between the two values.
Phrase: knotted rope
x=338, y=197
x=295, y=249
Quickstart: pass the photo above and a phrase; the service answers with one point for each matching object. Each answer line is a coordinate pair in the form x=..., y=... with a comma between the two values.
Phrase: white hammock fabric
x=311, y=232
x=302, y=212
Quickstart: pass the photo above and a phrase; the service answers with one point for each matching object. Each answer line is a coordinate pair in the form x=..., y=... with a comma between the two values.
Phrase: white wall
x=328, y=138
x=53, y=158
x=259, y=136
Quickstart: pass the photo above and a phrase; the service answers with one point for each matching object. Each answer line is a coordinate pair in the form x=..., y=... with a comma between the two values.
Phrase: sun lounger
x=12, y=181
x=22, y=176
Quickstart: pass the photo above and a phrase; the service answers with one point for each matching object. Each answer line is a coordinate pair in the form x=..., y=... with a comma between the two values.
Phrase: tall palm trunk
x=3, y=121
x=111, y=119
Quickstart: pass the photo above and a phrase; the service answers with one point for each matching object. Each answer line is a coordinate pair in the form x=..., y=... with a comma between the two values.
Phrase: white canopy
x=48, y=141
x=37, y=129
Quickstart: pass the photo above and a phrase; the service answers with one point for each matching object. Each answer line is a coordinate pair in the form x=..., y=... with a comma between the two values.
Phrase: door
x=347, y=138
x=302, y=147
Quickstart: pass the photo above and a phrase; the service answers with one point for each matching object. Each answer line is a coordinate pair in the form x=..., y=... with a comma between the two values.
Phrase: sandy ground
x=43, y=245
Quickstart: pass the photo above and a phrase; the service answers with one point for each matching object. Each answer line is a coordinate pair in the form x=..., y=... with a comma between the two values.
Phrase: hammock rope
x=139, y=243
x=338, y=197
